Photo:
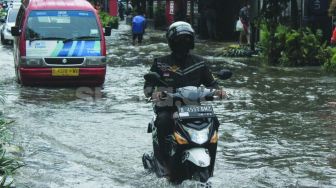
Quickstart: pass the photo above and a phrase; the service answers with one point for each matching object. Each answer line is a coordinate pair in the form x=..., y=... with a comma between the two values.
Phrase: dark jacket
x=193, y=72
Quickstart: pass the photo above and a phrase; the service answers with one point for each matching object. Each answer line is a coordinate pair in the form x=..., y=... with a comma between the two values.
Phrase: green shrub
x=8, y=165
x=2, y=14
x=300, y=47
x=304, y=47
x=330, y=66
x=109, y=21
x=266, y=44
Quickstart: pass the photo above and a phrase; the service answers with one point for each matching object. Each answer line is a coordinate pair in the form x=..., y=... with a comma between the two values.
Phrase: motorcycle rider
x=178, y=69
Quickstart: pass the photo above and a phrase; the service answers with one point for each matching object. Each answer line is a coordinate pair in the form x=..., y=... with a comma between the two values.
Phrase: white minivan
x=9, y=22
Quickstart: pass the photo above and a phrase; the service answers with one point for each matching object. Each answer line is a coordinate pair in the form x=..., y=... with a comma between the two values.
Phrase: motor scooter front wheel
x=201, y=174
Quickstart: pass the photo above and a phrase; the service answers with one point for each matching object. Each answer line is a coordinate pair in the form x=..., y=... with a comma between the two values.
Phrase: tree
x=271, y=15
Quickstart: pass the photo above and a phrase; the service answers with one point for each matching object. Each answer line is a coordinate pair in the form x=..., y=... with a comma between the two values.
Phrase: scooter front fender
x=199, y=156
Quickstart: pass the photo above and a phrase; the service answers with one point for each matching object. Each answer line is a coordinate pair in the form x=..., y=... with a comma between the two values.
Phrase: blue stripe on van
x=88, y=46
x=65, y=50
x=77, y=49
x=73, y=48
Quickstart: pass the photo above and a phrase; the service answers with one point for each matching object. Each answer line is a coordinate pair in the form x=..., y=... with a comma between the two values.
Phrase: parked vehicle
x=9, y=22
x=192, y=145
x=59, y=42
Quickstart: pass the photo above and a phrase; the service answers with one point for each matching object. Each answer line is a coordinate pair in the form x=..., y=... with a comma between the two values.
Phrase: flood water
x=278, y=127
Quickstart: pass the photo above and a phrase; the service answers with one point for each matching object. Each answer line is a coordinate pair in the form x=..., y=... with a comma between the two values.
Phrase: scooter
x=193, y=144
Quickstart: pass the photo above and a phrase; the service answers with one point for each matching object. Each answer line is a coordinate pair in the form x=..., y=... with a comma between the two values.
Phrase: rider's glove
x=221, y=93
x=159, y=95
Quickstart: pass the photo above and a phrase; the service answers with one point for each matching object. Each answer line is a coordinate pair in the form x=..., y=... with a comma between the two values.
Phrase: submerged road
x=278, y=128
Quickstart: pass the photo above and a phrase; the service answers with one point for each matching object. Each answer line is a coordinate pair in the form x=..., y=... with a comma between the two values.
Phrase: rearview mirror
x=224, y=74
x=15, y=31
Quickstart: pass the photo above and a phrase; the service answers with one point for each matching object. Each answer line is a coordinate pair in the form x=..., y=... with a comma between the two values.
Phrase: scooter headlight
x=198, y=136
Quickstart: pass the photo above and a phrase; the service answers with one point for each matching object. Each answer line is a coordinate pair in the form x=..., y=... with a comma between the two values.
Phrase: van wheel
x=17, y=75
x=3, y=41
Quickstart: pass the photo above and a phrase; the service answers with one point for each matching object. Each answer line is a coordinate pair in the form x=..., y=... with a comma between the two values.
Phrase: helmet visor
x=183, y=42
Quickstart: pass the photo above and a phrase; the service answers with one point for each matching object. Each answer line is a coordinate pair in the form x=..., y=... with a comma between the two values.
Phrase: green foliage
x=8, y=165
x=330, y=66
x=109, y=21
x=237, y=51
x=295, y=47
x=277, y=45
x=303, y=47
x=271, y=15
x=7, y=168
x=2, y=13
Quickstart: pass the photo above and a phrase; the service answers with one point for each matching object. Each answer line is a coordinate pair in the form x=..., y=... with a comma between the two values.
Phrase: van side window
x=20, y=18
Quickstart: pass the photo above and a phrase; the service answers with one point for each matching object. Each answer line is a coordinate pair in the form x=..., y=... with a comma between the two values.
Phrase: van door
x=18, y=45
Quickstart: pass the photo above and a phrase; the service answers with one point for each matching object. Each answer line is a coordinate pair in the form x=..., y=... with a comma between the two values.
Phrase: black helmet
x=180, y=35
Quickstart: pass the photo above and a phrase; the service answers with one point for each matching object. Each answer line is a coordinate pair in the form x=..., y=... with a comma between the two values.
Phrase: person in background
x=210, y=16
x=244, y=17
x=333, y=35
x=121, y=9
x=97, y=6
x=138, y=27
x=129, y=8
x=5, y=5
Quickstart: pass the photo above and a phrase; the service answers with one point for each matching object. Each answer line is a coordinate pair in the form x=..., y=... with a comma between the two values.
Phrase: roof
x=58, y=4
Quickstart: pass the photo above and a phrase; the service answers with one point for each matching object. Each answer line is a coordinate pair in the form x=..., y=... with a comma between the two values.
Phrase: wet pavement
x=278, y=128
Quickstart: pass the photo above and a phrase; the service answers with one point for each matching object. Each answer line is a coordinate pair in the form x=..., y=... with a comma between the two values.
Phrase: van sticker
x=59, y=49
x=93, y=31
x=61, y=13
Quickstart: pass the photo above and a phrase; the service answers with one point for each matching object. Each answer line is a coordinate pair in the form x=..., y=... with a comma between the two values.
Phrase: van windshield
x=62, y=25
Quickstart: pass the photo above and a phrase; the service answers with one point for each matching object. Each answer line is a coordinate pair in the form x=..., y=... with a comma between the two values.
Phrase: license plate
x=65, y=71
x=196, y=111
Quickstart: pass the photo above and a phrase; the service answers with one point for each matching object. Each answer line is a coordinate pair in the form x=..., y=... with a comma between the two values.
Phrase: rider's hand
x=221, y=93
x=158, y=95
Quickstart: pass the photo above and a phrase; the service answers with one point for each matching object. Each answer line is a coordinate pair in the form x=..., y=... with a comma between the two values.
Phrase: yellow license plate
x=65, y=71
